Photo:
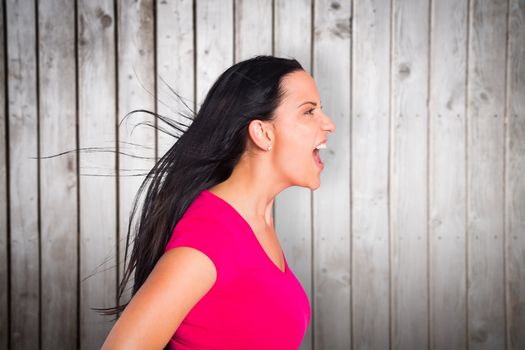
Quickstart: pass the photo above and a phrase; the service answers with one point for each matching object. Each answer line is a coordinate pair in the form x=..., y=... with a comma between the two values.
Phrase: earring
x=269, y=148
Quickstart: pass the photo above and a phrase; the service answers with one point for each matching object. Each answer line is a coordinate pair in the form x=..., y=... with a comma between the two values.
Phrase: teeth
x=321, y=146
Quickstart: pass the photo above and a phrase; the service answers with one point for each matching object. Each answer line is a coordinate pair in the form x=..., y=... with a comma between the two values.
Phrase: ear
x=261, y=133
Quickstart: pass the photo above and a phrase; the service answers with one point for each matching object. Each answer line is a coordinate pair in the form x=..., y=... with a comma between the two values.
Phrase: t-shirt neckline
x=286, y=268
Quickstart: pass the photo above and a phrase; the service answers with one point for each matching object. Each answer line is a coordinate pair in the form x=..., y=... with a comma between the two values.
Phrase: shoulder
x=203, y=229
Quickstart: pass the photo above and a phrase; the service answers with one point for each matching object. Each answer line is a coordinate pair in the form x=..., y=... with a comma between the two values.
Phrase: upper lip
x=320, y=143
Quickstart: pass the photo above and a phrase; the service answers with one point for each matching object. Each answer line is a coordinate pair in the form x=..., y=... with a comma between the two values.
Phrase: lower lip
x=317, y=159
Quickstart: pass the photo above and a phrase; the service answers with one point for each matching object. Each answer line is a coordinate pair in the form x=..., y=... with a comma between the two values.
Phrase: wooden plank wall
x=97, y=106
x=447, y=225
x=416, y=237
x=4, y=267
x=22, y=177
x=58, y=175
x=514, y=225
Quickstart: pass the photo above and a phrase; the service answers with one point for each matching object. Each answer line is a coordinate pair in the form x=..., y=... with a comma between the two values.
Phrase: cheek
x=294, y=141
x=293, y=156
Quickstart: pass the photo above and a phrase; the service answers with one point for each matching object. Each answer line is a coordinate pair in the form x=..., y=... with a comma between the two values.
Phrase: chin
x=314, y=185
x=313, y=182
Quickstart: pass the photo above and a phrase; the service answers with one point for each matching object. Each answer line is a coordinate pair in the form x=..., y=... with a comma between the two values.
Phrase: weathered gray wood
x=253, y=28
x=370, y=175
x=175, y=53
x=214, y=43
x=23, y=174
x=97, y=105
x=408, y=174
x=447, y=157
x=293, y=30
x=485, y=174
x=58, y=175
x=409, y=286
x=515, y=185
x=4, y=273
x=136, y=73
x=292, y=207
x=331, y=220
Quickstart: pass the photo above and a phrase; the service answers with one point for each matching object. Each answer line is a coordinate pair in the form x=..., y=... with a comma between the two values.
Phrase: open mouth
x=317, y=158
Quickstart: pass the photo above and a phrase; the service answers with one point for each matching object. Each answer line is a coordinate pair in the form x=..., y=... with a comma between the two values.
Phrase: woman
x=209, y=272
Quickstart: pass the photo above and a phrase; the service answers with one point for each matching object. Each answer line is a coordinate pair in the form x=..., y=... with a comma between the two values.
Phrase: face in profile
x=300, y=126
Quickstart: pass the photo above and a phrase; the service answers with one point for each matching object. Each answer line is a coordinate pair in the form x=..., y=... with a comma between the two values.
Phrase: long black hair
x=203, y=156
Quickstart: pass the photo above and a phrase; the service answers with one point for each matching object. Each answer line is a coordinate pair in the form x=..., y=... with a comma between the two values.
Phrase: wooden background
x=416, y=237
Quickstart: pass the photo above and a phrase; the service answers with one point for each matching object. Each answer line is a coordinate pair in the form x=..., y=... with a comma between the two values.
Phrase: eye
x=309, y=112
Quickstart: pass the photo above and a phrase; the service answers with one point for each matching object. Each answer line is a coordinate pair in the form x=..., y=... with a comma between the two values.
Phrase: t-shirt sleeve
x=209, y=237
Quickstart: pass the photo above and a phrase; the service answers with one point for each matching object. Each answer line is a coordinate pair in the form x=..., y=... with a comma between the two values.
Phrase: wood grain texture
x=98, y=204
x=4, y=271
x=293, y=30
x=292, y=207
x=408, y=175
x=253, y=28
x=23, y=175
x=485, y=174
x=58, y=175
x=447, y=182
x=214, y=43
x=331, y=222
x=414, y=239
x=175, y=71
x=136, y=81
x=370, y=175
x=515, y=185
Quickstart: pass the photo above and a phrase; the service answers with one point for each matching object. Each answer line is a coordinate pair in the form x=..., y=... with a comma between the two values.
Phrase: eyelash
x=309, y=112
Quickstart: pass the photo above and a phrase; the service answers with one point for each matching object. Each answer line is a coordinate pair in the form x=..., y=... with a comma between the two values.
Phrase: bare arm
x=181, y=277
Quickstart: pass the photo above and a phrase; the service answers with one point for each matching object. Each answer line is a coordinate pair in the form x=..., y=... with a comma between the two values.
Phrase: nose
x=328, y=125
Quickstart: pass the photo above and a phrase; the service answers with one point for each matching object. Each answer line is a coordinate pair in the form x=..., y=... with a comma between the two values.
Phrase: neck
x=251, y=189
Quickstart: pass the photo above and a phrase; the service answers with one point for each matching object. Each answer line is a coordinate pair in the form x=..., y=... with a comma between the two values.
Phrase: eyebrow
x=313, y=103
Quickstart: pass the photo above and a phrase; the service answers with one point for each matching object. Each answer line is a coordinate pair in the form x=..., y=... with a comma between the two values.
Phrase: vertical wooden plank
x=485, y=174
x=175, y=71
x=58, y=180
x=292, y=207
x=370, y=175
x=23, y=174
x=331, y=205
x=515, y=186
x=447, y=157
x=4, y=273
x=408, y=186
x=96, y=74
x=214, y=43
x=293, y=30
x=253, y=28
x=136, y=81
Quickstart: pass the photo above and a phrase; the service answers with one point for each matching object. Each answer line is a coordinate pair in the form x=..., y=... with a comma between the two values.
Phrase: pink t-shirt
x=253, y=304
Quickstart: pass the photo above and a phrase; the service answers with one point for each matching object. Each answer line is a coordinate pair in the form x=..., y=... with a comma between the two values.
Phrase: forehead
x=299, y=87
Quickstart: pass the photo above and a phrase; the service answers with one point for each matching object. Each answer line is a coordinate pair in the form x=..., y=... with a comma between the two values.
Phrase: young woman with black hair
x=209, y=272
